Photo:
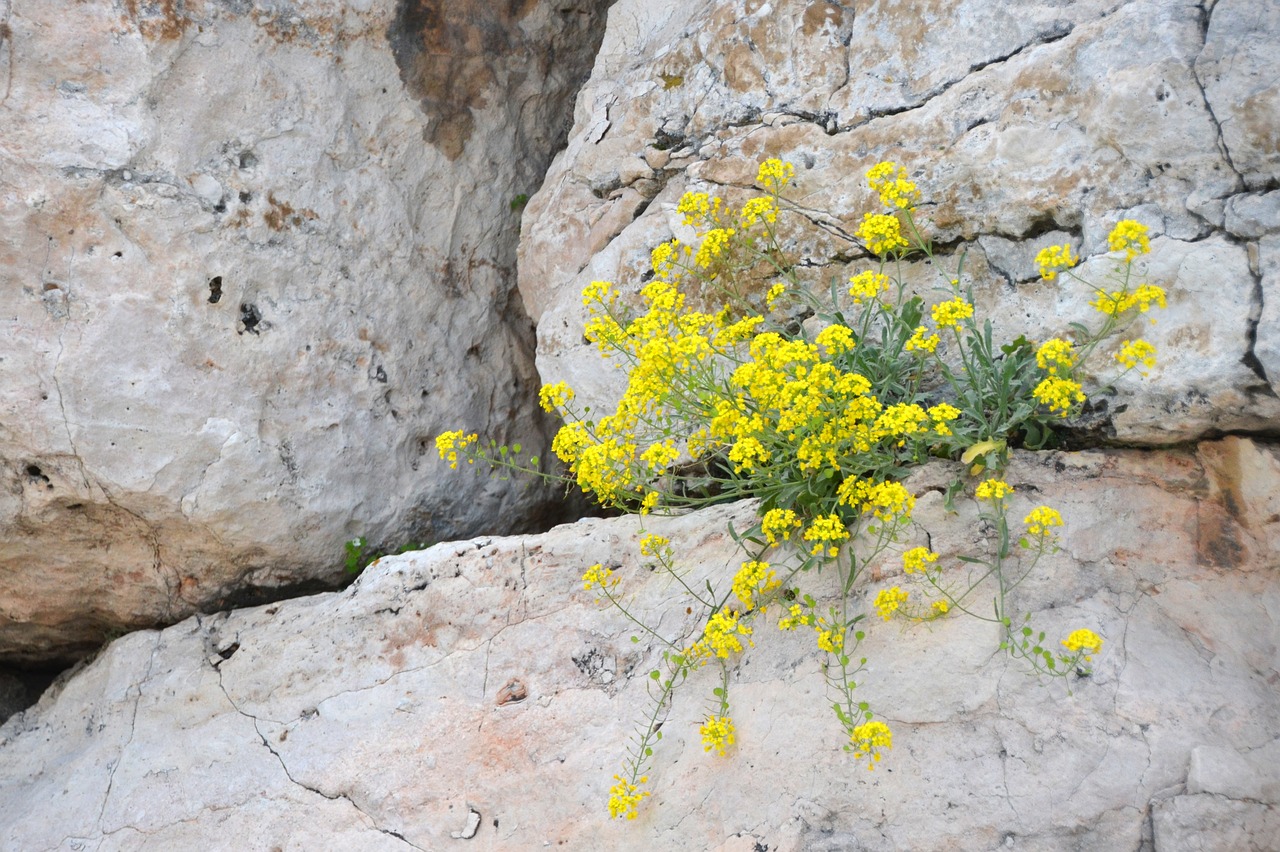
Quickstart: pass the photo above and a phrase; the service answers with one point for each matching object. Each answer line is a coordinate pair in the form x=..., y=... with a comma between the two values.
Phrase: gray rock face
x=1025, y=127
x=474, y=690
x=254, y=258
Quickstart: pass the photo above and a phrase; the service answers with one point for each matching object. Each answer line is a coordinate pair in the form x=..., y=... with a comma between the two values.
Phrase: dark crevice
x=1060, y=31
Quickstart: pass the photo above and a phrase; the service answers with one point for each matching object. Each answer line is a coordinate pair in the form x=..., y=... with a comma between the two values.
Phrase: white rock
x=377, y=716
x=267, y=257
x=1060, y=119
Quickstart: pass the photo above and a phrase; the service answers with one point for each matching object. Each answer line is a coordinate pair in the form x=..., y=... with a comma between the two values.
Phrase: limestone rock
x=254, y=258
x=1024, y=128
x=475, y=687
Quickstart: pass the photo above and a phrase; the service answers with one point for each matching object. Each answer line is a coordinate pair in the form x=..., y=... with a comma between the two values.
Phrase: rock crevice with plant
x=817, y=404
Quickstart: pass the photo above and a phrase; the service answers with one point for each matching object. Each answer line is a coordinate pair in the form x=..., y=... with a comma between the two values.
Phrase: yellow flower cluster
x=889, y=181
x=881, y=233
x=597, y=576
x=922, y=341
x=918, y=559
x=889, y=500
x=868, y=738
x=1084, y=642
x=656, y=546
x=763, y=209
x=867, y=286
x=796, y=617
x=1129, y=237
x=1135, y=352
x=625, y=797
x=776, y=292
x=888, y=601
x=774, y=174
x=835, y=339
x=449, y=444
x=1041, y=520
x=1053, y=260
x=1116, y=302
x=1058, y=394
x=721, y=637
x=993, y=490
x=754, y=578
x=1054, y=355
x=556, y=396
x=699, y=207
x=717, y=733
x=827, y=532
x=830, y=637
x=713, y=245
x=778, y=524
x=950, y=313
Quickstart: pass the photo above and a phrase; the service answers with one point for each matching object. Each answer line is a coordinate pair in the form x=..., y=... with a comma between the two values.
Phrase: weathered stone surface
x=253, y=258
x=1026, y=127
x=478, y=678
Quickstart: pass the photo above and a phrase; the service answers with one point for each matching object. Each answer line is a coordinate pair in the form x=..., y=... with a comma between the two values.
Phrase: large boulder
x=1025, y=126
x=254, y=258
x=475, y=690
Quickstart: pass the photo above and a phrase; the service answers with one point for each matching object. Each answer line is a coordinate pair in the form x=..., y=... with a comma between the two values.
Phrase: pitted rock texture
x=1025, y=126
x=475, y=688
x=254, y=258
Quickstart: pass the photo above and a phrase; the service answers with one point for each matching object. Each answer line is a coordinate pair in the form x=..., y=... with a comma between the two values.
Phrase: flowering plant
x=817, y=405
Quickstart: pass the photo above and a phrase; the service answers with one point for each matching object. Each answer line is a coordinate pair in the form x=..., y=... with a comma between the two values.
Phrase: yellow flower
x=941, y=607
x=598, y=292
x=889, y=181
x=1053, y=260
x=778, y=524
x=1055, y=354
x=866, y=740
x=918, y=559
x=720, y=638
x=827, y=532
x=948, y=314
x=776, y=292
x=835, y=339
x=888, y=601
x=1041, y=520
x=796, y=618
x=698, y=207
x=1129, y=237
x=598, y=576
x=659, y=547
x=717, y=733
x=1133, y=353
x=830, y=639
x=664, y=259
x=1084, y=642
x=449, y=444
x=774, y=174
x=942, y=414
x=920, y=343
x=868, y=285
x=659, y=455
x=754, y=578
x=713, y=245
x=881, y=233
x=625, y=797
x=555, y=396
x=1059, y=394
x=763, y=209
x=994, y=490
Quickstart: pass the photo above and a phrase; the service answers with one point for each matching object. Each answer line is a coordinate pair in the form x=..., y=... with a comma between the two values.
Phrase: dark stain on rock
x=512, y=693
x=453, y=53
x=158, y=20
x=282, y=214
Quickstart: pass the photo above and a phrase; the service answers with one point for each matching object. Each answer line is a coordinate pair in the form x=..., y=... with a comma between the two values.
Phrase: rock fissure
x=133, y=722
